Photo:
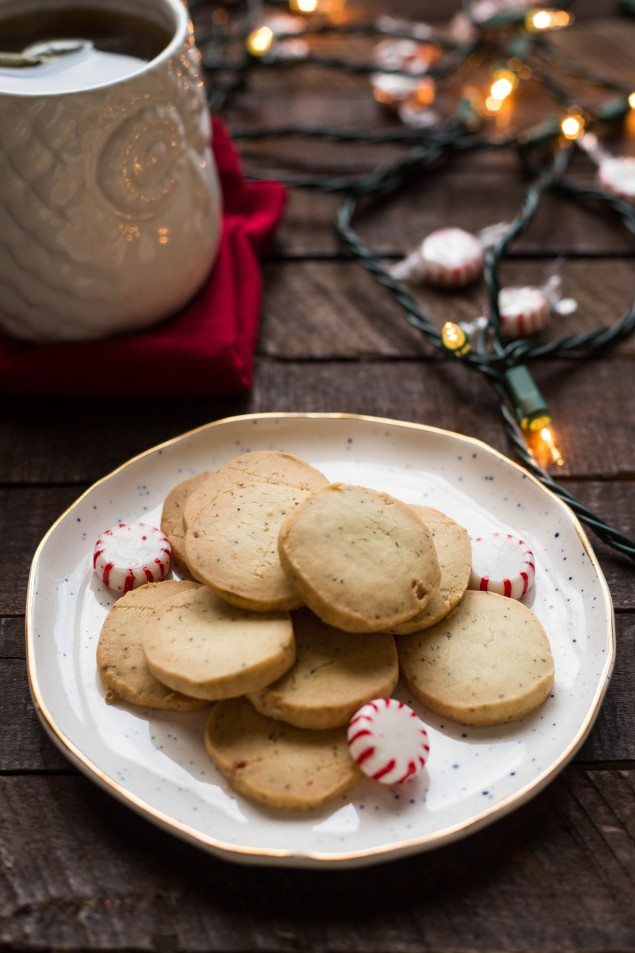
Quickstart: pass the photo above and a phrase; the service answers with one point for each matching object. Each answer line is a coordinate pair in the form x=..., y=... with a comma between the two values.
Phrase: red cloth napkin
x=207, y=349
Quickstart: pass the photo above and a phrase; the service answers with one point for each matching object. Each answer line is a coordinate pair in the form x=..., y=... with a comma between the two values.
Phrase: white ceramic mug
x=110, y=210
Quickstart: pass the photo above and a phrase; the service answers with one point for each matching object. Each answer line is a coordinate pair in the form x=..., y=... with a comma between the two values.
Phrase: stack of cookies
x=306, y=599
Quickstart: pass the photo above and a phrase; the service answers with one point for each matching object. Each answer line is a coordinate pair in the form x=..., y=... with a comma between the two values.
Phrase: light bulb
x=542, y=441
x=538, y=20
x=501, y=88
x=573, y=126
x=493, y=105
x=548, y=439
x=631, y=100
x=504, y=82
x=260, y=41
x=455, y=339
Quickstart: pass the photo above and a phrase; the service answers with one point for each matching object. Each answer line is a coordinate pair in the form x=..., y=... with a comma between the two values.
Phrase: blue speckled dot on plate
x=156, y=760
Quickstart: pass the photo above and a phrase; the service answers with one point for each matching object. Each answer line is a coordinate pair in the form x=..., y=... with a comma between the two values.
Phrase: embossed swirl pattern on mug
x=140, y=163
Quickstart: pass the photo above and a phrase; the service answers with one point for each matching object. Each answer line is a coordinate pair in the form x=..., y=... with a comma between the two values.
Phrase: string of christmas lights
x=512, y=37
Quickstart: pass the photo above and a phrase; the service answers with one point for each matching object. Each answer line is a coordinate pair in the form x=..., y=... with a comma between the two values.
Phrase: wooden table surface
x=78, y=871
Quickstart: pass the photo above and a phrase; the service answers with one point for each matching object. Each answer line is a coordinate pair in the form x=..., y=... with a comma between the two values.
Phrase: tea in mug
x=107, y=30
x=59, y=49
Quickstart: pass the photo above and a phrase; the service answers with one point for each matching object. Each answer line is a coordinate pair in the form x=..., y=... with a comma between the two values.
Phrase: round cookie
x=276, y=764
x=200, y=645
x=172, y=516
x=121, y=662
x=259, y=466
x=361, y=560
x=232, y=546
x=487, y=663
x=334, y=673
x=454, y=552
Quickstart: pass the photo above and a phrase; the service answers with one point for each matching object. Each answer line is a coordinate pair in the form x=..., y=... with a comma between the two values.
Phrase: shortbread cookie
x=334, y=673
x=260, y=466
x=454, y=552
x=200, y=645
x=121, y=662
x=232, y=546
x=361, y=560
x=487, y=663
x=172, y=516
x=276, y=764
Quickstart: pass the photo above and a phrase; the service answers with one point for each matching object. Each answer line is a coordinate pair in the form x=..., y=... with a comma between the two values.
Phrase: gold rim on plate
x=310, y=858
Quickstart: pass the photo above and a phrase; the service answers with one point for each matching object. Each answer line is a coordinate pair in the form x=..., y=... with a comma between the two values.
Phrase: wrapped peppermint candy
x=615, y=174
x=448, y=257
x=389, y=24
x=392, y=89
x=484, y=10
x=526, y=310
x=416, y=116
x=405, y=54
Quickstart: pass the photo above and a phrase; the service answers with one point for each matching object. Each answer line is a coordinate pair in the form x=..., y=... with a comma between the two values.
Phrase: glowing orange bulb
x=548, y=438
x=537, y=20
x=501, y=88
x=303, y=6
x=260, y=41
x=573, y=126
x=493, y=105
x=455, y=339
x=324, y=7
x=504, y=82
x=543, y=442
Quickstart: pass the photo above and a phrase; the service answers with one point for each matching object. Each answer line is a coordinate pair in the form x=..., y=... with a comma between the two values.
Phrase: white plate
x=156, y=762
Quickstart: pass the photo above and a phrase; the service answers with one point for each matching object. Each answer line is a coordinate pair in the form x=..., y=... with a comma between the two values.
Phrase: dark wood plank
x=451, y=198
x=340, y=312
x=12, y=638
x=442, y=9
x=601, y=45
x=341, y=100
x=25, y=747
x=82, y=872
x=583, y=396
x=35, y=509
x=358, y=111
x=612, y=736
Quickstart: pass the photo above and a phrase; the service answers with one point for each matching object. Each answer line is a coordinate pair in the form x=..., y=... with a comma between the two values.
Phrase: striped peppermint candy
x=451, y=258
x=388, y=741
x=523, y=310
x=616, y=174
x=502, y=563
x=131, y=554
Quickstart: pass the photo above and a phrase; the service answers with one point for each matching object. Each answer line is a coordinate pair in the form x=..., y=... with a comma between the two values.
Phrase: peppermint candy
x=616, y=174
x=523, y=311
x=447, y=258
x=391, y=89
x=502, y=563
x=451, y=257
x=388, y=741
x=131, y=554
